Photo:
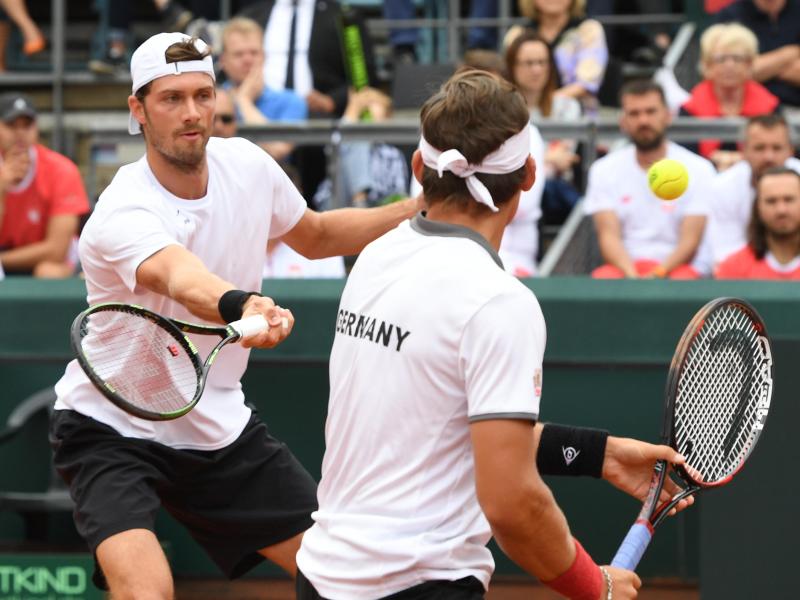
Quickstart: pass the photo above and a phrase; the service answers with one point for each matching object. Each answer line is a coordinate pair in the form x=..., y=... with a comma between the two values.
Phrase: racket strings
x=717, y=410
x=141, y=361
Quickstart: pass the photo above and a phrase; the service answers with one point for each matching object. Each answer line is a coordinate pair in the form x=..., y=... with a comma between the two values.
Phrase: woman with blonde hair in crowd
x=578, y=45
x=530, y=67
x=727, y=52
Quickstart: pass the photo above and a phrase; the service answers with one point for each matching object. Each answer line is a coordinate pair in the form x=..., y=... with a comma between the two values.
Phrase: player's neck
x=186, y=183
x=491, y=227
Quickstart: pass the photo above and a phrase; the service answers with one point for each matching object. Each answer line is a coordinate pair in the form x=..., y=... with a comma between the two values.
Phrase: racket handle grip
x=633, y=546
x=249, y=326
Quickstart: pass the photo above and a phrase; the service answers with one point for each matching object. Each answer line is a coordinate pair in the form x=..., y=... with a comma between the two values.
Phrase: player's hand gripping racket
x=143, y=362
x=716, y=402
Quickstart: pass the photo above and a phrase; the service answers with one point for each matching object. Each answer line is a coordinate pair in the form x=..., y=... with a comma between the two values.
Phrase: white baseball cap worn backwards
x=149, y=62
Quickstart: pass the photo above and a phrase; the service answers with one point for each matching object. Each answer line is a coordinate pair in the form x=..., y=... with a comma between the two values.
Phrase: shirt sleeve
x=125, y=238
x=69, y=195
x=698, y=201
x=288, y=205
x=501, y=358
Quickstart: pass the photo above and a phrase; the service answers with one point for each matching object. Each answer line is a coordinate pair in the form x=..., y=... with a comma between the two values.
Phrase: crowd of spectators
x=285, y=61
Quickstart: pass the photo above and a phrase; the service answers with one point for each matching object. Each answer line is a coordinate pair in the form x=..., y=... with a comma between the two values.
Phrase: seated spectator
x=224, y=115
x=578, y=45
x=776, y=24
x=303, y=45
x=242, y=62
x=284, y=263
x=767, y=144
x=639, y=234
x=773, y=244
x=41, y=196
x=532, y=69
x=728, y=90
x=371, y=173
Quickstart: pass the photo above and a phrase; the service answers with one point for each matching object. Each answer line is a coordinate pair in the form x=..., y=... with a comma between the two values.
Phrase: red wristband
x=582, y=581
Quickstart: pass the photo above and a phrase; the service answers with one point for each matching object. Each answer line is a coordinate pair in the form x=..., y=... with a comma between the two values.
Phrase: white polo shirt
x=432, y=334
x=732, y=195
x=650, y=226
x=249, y=200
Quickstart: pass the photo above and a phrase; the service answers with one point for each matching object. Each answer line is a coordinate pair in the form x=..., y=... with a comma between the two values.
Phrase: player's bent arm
x=691, y=233
x=609, y=238
x=526, y=521
x=176, y=273
x=346, y=231
x=61, y=229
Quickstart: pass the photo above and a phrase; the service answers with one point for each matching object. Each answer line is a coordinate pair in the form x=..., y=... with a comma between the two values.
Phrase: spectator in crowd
x=776, y=24
x=370, y=173
x=578, y=45
x=242, y=62
x=639, y=234
x=41, y=196
x=302, y=42
x=773, y=244
x=16, y=11
x=727, y=52
x=224, y=114
x=532, y=69
x=767, y=144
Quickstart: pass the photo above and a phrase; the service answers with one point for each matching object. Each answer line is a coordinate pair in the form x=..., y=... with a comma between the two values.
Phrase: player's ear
x=530, y=174
x=137, y=109
x=417, y=165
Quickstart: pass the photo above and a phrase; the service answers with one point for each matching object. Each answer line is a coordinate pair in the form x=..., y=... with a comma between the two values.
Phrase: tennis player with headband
x=183, y=231
x=432, y=441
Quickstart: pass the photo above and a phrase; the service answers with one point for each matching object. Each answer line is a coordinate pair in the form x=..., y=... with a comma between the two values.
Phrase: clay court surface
x=270, y=589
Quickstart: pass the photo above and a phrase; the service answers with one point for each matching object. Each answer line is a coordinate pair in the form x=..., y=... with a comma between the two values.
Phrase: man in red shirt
x=773, y=247
x=41, y=196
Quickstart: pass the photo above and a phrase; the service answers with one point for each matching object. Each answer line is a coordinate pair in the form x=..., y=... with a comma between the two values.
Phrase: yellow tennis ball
x=668, y=179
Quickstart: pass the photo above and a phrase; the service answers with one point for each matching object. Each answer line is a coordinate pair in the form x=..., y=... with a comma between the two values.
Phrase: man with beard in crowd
x=639, y=234
x=767, y=144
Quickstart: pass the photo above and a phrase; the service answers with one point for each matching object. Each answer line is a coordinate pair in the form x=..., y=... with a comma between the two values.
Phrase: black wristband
x=571, y=451
x=231, y=303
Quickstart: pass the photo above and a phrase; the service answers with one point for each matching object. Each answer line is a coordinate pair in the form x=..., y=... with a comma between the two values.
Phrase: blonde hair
x=727, y=36
x=243, y=26
x=527, y=8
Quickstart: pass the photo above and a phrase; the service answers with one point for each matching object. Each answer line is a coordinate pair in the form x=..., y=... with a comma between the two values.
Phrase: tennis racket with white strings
x=716, y=402
x=143, y=362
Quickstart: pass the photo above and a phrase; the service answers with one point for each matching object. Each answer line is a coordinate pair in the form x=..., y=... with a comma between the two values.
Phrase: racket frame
x=652, y=514
x=176, y=328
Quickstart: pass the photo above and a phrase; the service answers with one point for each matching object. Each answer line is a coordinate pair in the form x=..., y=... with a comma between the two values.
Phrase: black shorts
x=468, y=588
x=234, y=501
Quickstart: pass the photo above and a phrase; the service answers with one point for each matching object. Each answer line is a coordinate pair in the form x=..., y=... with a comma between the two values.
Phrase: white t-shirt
x=650, y=226
x=431, y=335
x=521, y=238
x=732, y=196
x=249, y=200
x=283, y=262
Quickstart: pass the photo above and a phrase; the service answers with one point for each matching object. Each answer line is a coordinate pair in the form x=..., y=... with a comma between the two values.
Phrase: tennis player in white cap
x=183, y=231
x=432, y=440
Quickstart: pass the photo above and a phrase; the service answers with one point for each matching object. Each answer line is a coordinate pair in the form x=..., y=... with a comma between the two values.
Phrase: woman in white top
x=531, y=67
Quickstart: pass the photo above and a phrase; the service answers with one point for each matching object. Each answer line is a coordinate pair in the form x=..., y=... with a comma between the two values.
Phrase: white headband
x=507, y=158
